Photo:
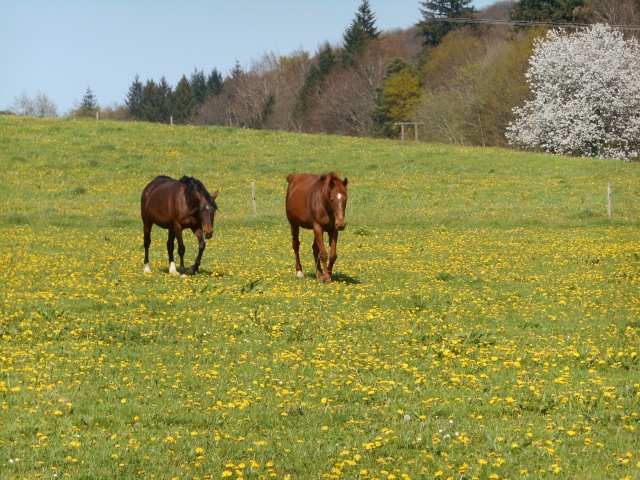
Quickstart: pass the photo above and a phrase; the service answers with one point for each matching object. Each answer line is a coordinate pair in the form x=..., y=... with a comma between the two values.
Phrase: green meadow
x=483, y=322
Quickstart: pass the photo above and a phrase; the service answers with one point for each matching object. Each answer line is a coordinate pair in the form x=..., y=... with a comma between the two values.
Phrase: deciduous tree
x=586, y=95
x=399, y=94
x=45, y=107
x=40, y=106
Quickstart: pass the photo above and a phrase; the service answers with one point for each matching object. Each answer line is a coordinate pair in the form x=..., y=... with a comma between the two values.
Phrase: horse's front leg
x=181, y=249
x=147, y=242
x=170, y=246
x=295, y=243
x=320, y=256
x=201, y=247
x=333, y=247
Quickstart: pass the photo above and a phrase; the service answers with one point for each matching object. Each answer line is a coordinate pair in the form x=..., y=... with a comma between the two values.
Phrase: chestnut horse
x=317, y=202
x=176, y=205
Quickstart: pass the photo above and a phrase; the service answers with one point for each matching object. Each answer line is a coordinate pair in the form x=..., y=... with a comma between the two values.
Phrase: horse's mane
x=195, y=183
x=330, y=176
x=326, y=179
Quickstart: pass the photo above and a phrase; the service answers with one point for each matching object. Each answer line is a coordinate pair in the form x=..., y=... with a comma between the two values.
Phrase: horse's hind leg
x=147, y=242
x=317, y=261
x=170, y=247
x=295, y=234
x=320, y=256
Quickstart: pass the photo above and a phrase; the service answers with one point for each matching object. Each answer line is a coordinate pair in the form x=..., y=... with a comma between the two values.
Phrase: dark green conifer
x=199, y=86
x=134, y=99
x=184, y=101
x=434, y=25
x=88, y=105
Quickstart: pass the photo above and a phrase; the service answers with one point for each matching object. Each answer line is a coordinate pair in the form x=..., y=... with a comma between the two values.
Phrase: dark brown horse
x=317, y=202
x=176, y=205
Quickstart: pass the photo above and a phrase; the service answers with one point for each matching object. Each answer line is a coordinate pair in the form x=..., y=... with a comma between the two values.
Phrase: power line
x=516, y=23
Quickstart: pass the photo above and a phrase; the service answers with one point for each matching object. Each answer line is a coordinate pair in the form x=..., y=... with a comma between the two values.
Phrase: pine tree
x=367, y=20
x=184, y=101
x=237, y=70
x=164, y=95
x=214, y=83
x=545, y=11
x=326, y=63
x=361, y=30
x=258, y=121
x=326, y=59
x=134, y=99
x=198, y=86
x=434, y=26
x=88, y=105
x=355, y=39
x=150, y=102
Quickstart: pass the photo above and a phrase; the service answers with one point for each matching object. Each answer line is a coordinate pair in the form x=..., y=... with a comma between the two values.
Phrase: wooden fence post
x=253, y=198
x=415, y=129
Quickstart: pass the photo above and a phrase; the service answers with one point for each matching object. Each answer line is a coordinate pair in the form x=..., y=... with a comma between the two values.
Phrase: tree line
x=460, y=78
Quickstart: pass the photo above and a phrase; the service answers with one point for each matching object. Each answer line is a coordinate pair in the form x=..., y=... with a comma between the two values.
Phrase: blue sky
x=61, y=47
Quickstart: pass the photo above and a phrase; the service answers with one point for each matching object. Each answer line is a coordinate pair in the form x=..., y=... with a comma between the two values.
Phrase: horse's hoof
x=184, y=275
x=172, y=269
x=147, y=268
x=299, y=274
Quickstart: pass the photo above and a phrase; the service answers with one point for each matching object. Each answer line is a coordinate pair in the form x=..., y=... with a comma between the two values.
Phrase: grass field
x=484, y=320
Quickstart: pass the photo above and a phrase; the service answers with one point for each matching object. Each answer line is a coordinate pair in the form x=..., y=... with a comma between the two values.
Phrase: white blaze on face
x=340, y=206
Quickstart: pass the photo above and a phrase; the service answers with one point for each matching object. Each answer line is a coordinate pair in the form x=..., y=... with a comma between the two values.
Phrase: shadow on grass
x=343, y=278
x=336, y=278
x=200, y=273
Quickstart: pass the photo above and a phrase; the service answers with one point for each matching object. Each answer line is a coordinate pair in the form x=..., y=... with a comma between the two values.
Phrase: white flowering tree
x=586, y=95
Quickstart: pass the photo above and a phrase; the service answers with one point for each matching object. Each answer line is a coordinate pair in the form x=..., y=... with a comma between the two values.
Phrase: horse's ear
x=215, y=195
x=345, y=181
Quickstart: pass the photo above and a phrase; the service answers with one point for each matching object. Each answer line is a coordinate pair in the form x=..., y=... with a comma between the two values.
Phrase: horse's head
x=206, y=203
x=208, y=211
x=337, y=193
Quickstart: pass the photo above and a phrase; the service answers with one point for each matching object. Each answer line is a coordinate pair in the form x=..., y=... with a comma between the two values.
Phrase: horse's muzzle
x=208, y=235
x=341, y=227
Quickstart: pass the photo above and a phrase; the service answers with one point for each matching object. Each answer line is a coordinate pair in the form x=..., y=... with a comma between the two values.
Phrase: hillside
x=482, y=320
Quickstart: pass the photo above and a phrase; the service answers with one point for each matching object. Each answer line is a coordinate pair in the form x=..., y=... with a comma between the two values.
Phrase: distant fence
x=415, y=129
